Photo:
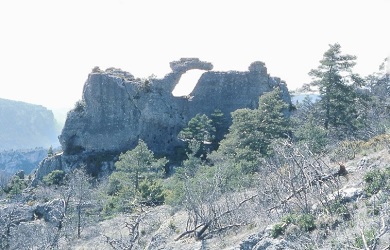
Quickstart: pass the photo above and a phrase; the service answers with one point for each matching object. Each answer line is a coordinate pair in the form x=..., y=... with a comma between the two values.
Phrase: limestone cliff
x=117, y=109
x=25, y=126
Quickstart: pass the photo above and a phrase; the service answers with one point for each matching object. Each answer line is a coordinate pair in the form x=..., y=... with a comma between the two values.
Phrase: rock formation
x=23, y=159
x=117, y=109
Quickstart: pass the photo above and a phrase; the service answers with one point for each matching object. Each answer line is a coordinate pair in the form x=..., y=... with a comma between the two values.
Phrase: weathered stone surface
x=13, y=160
x=116, y=109
x=48, y=165
x=16, y=213
x=261, y=241
x=185, y=64
x=51, y=211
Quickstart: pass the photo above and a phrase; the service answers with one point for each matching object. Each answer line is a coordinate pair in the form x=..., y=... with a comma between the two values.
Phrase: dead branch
x=204, y=226
x=317, y=180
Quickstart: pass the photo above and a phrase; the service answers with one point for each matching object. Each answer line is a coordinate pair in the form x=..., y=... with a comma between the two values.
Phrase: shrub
x=376, y=180
x=56, y=177
x=15, y=186
x=339, y=208
x=79, y=106
x=152, y=192
x=369, y=236
x=96, y=69
x=278, y=229
x=306, y=222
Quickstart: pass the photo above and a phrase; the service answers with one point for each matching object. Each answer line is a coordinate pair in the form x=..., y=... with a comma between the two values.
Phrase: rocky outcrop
x=117, y=109
x=185, y=64
x=13, y=160
x=51, y=211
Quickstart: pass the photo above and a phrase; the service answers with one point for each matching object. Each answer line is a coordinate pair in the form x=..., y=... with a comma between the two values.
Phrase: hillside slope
x=24, y=126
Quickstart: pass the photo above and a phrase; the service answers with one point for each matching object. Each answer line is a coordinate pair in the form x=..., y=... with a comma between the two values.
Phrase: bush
x=306, y=222
x=278, y=229
x=96, y=69
x=376, y=180
x=79, y=106
x=15, y=186
x=56, y=177
x=369, y=236
x=339, y=208
x=152, y=192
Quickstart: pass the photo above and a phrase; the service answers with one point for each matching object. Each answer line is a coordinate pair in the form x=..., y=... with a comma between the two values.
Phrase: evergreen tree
x=338, y=89
x=199, y=129
x=252, y=131
x=219, y=123
x=138, y=164
x=307, y=128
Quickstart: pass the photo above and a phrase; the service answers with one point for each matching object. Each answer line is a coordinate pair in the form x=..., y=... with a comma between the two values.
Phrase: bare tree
x=130, y=240
x=211, y=204
x=80, y=183
x=296, y=180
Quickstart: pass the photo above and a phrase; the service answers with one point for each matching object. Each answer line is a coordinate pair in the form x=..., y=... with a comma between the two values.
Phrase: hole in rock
x=187, y=82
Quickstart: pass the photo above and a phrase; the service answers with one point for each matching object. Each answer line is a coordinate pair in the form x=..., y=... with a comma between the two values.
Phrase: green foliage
x=338, y=207
x=340, y=102
x=79, y=106
x=315, y=137
x=219, y=123
x=173, y=189
x=369, y=236
x=196, y=181
x=116, y=204
x=307, y=128
x=199, y=129
x=139, y=163
x=278, y=229
x=56, y=177
x=376, y=180
x=289, y=218
x=152, y=192
x=50, y=151
x=135, y=180
x=252, y=131
x=306, y=222
x=15, y=186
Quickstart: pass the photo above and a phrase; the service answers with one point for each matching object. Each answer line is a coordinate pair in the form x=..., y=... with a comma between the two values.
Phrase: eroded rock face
x=116, y=109
x=185, y=64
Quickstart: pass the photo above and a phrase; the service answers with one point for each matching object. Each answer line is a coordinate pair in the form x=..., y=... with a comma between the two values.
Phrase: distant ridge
x=24, y=125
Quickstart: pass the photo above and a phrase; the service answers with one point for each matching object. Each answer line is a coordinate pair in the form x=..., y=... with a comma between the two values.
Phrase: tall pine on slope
x=340, y=100
x=252, y=131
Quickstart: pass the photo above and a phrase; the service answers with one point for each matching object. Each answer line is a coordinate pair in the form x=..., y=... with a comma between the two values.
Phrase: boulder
x=51, y=211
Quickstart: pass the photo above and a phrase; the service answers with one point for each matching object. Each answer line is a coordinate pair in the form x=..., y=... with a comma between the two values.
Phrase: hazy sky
x=48, y=47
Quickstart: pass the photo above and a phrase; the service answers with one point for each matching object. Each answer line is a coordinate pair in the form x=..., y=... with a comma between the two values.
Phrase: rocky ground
x=160, y=227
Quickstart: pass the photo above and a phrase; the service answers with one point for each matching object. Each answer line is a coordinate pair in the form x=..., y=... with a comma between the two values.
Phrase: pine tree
x=139, y=163
x=252, y=131
x=337, y=86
